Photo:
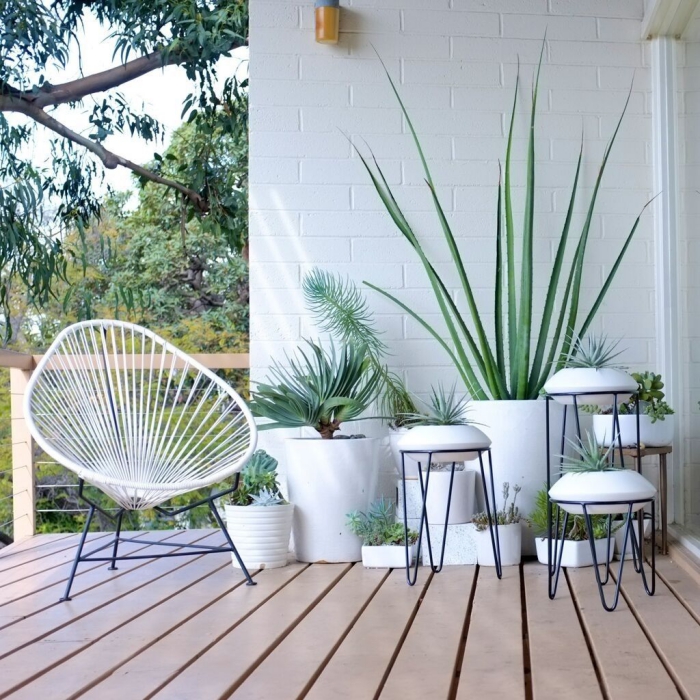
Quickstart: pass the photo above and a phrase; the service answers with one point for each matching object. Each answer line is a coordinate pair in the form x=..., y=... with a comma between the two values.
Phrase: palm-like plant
x=320, y=389
x=506, y=370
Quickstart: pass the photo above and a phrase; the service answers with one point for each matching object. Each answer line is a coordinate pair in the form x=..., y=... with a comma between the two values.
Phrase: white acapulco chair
x=142, y=421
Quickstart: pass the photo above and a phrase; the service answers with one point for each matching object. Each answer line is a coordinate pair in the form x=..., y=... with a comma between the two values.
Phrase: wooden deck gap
x=336, y=646
x=527, y=666
x=605, y=691
x=459, y=659
x=402, y=639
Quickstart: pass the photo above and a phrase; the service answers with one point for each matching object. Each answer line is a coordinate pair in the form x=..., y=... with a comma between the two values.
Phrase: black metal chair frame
x=412, y=575
x=188, y=549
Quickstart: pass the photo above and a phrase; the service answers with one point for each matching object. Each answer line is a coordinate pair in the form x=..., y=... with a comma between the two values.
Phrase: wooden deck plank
x=425, y=666
x=495, y=632
x=217, y=672
x=294, y=664
x=554, y=632
x=629, y=667
x=77, y=674
x=681, y=582
x=37, y=553
x=358, y=667
x=42, y=540
x=675, y=633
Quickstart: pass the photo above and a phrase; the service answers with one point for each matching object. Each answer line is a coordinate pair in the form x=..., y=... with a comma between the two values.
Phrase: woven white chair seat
x=131, y=414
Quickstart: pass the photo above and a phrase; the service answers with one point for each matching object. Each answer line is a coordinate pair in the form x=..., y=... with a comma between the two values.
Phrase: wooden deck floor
x=187, y=628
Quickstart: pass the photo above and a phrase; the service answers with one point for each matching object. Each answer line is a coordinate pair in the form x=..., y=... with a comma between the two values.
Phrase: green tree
x=40, y=202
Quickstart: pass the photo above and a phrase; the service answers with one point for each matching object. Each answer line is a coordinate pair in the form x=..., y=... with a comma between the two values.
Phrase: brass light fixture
x=327, y=21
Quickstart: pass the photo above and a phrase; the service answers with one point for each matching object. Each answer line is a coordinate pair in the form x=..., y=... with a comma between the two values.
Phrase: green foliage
x=320, y=389
x=506, y=369
x=575, y=527
x=258, y=484
x=589, y=457
x=445, y=408
x=377, y=526
x=508, y=515
x=594, y=352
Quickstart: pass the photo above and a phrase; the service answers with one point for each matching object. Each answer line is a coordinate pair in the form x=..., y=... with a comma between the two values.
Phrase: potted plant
x=383, y=539
x=507, y=521
x=445, y=426
x=396, y=405
x=575, y=548
x=591, y=475
x=592, y=368
x=327, y=476
x=655, y=416
x=257, y=516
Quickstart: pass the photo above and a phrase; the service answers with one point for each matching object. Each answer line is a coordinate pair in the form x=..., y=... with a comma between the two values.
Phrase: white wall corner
x=667, y=17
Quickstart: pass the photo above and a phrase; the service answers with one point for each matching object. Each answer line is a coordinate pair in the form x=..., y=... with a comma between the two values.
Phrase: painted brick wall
x=455, y=63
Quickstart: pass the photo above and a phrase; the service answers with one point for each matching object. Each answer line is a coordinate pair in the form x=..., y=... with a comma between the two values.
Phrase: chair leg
x=221, y=524
x=81, y=544
x=116, y=540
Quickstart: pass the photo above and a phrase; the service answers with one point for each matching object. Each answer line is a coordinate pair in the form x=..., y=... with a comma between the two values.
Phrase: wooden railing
x=21, y=366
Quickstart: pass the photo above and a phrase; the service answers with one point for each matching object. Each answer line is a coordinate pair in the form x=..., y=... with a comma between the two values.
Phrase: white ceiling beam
x=667, y=17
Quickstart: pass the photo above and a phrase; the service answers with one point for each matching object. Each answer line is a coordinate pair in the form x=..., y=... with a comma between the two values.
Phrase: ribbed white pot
x=411, y=466
x=620, y=537
x=461, y=503
x=510, y=545
x=613, y=487
x=261, y=534
x=606, y=381
x=575, y=554
x=658, y=434
x=328, y=479
x=387, y=556
x=517, y=430
x=453, y=443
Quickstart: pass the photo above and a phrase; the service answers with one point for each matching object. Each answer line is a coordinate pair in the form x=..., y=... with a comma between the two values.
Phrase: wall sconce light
x=327, y=21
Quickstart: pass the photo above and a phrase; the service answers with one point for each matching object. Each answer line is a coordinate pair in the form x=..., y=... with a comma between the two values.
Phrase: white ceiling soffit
x=667, y=17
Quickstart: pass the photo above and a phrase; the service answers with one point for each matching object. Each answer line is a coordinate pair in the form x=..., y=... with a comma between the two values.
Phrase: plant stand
x=590, y=507
x=424, y=481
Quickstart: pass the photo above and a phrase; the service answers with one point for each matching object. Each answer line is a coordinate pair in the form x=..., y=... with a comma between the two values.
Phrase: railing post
x=23, y=481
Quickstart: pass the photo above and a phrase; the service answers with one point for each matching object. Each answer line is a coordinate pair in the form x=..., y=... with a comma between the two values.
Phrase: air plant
x=445, y=408
x=589, y=457
x=596, y=352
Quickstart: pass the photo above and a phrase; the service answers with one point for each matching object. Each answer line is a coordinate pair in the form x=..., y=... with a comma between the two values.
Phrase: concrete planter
x=461, y=503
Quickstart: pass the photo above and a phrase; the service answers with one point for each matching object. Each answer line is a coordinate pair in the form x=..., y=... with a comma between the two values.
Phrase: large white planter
x=606, y=380
x=261, y=534
x=461, y=503
x=510, y=545
x=576, y=554
x=517, y=430
x=411, y=466
x=388, y=556
x=328, y=479
x=658, y=434
x=613, y=487
x=460, y=441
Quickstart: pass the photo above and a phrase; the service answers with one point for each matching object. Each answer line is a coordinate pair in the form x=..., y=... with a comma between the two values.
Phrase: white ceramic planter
x=613, y=487
x=462, y=502
x=261, y=534
x=459, y=440
x=411, y=465
x=658, y=434
x=620, y=537
x=328, y=479
x=510, y=542
x=584, y=379
x=576, y=554
x=388, y=556
x=517, y=430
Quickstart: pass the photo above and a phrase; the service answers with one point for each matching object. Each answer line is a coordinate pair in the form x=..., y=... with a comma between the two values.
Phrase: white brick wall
x=311, y=202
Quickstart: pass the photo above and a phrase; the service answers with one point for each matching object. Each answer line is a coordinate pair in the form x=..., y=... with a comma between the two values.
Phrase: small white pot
x=461, y=503
x=460, y=440
x=620, y=537
x=328, y=479
x=510, y=542
x=576, y=554
x=607, y=381
x=387, y=556
x=261, y=534
x=613, y=487
x=411, y=465
x=658, y=434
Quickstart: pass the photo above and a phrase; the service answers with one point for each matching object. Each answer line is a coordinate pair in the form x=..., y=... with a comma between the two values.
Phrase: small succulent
x=595, y=352
x=266, y=498
x=650, y=386
x=378, y=527
x=576, y=524
x=258, y=477
x=589, y=457
x=508, y=515
x=445, y=408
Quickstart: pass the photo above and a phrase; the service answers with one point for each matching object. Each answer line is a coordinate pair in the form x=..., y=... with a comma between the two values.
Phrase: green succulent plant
x=589, y=457
x=508, y=515
x=650, y=386
x=266, y=498
x=258, y=485
x=444, y=408
x=576, y=524
x=595, y=351
x=378, y=527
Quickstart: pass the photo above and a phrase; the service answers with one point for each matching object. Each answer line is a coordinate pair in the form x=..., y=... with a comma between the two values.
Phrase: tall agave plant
x=508, y=368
